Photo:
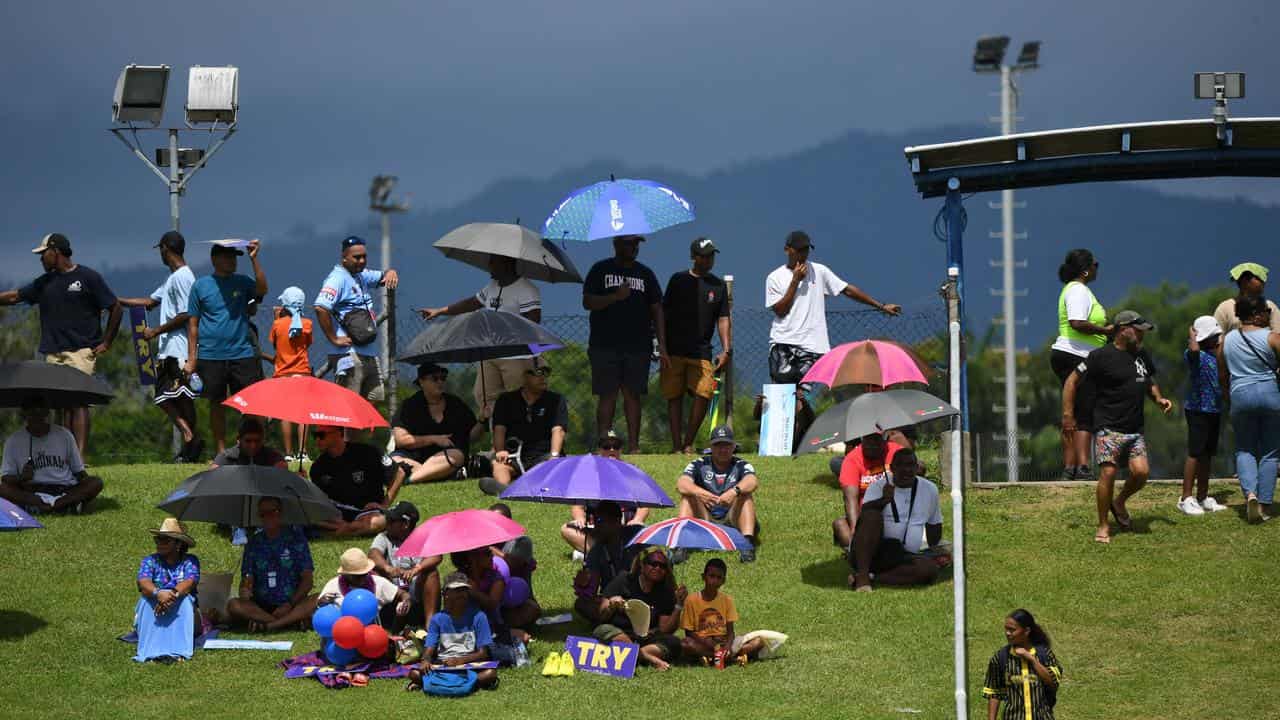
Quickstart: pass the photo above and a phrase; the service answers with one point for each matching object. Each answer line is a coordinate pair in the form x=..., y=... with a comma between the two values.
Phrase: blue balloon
x=517, y=592
x=324, y=618
x=361, y=605
x=338, y=655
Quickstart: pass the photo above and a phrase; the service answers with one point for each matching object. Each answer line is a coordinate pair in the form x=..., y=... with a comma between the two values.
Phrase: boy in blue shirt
x=457, y=636
x=1203, y=410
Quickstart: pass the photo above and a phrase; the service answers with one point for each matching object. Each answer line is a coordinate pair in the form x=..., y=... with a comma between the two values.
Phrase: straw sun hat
x=171, y=528
x=355, y=562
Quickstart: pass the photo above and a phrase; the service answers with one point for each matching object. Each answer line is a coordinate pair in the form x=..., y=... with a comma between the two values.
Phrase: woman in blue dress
x=165, y=616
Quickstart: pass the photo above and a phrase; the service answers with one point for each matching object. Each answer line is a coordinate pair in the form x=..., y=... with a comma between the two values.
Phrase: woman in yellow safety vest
x=1082, y=328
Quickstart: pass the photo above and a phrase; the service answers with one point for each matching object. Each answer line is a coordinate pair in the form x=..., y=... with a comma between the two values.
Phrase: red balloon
x=348, y=632
x=375, y=642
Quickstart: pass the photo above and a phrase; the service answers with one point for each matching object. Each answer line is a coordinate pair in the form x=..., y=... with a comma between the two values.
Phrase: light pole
x=380, y=201
x=212, y=99
x=988, y=57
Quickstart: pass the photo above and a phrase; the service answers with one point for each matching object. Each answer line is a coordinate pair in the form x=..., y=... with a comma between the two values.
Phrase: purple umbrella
x=581, y=479
x=13, y=517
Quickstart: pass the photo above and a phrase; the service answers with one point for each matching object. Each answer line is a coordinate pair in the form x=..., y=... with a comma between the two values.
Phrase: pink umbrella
x=458, y=531
x=868, y=362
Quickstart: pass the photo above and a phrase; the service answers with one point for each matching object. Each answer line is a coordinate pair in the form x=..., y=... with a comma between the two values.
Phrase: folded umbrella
x=307, y=401
x=60, y=386
x=692, y=534
x=230, y=495
x=536, y=258
x=13, y=517
x=872, y=412
x=481, y=335
x=616, y=207
x=868, y=362
x=580, y=479
x=459, y=531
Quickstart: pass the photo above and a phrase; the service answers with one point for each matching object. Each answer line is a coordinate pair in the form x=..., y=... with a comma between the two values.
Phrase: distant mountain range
x=854, y=196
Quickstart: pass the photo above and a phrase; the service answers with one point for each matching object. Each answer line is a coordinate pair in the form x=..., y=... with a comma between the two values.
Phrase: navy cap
x=174, y=241
x=722, y=434
x=351, y=241
x=799, y=240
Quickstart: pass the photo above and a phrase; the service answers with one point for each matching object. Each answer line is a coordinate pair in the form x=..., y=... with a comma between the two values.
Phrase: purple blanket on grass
x=335, y=677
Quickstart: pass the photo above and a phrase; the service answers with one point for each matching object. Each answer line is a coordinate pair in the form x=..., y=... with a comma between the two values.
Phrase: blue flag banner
x=141, y=347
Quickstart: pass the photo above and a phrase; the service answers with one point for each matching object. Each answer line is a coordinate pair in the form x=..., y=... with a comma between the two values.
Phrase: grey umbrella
x=59, y=386
x=536, y=259
x=230, y=495
x=872, y=412
x=481, y=335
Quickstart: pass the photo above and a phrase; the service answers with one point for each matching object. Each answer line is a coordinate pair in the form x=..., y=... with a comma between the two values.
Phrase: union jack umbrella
x=692, y=534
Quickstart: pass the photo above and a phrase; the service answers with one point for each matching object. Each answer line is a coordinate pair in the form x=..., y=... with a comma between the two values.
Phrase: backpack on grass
x=453, y=683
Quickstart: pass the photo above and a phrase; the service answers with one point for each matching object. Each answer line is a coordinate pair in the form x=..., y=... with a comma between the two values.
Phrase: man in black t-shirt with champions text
x=1123, y=374
x=695, y=306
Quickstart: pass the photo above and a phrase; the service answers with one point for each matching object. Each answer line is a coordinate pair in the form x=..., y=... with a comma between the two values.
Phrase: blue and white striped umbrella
x=692, y=534
x=616, y=207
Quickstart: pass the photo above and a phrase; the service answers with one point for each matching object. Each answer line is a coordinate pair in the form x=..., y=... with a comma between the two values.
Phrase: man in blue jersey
x=344, y=311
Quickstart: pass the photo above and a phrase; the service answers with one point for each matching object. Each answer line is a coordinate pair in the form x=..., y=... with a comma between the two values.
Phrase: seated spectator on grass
x=708, y=622
x=865, y=463
x=356, y=571
x=42, y=470
x=577, y=532
x=487, y=590
x=528, y=428
x=1024, y=674
x=418, y=575
x=457, y=636
x=608, y=558
x=721, y=487
x=250, y=448
x=276, y=575
x=165, y=616
x=352, y=475
x=889, y=536
x=432, y=431
x=650, y=581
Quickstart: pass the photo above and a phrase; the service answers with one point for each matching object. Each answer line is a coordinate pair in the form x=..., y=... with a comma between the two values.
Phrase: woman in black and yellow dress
x=1024, y=674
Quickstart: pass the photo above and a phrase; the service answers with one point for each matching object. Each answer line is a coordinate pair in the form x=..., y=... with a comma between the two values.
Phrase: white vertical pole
x=384, y=352
x=957, y=531
x=1010, y=317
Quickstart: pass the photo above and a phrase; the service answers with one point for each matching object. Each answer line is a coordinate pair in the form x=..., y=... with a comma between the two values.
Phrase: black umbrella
x=230, y=495
x=60, y=386
x=481, y=335
x=872, y=412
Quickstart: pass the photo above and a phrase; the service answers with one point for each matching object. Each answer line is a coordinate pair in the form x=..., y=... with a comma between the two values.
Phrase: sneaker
x=194, y=450
x=290, y=459
x=747, y=555
x=1069, y=473
x=1211, y=505
x=490, y=486
x=679, y=555
x=577, y=556
x=1084, y=472
x=552, y=667
x=1189, y=506
x=1254, y=510
x=304, y=457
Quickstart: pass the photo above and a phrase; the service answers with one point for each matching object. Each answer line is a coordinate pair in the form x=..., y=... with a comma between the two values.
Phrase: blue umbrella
x=13, y=517
x=587, y=478
x=617, y=207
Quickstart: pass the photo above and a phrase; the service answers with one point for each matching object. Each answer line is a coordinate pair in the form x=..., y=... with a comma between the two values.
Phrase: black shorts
x=1202, y=433
x=227, y=377
x=171, y=382
x=1063, y=364
x=612, y=369
x=789, y=363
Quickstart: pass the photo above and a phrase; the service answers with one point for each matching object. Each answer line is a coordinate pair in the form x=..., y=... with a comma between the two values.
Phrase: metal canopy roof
x=1137, y=151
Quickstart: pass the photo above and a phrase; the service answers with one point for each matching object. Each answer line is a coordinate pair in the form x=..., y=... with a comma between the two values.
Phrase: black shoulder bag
x=359, y=324
x=1275, y=371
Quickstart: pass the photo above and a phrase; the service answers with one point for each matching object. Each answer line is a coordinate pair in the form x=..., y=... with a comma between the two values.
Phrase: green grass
x=1172, y=621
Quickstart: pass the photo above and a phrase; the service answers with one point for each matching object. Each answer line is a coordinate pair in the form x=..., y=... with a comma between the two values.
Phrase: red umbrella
x=307, y=401
x=458, y=531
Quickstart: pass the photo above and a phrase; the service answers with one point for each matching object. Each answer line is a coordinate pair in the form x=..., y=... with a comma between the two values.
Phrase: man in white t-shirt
x=508, y=292
x=796, y=293
x=172, y=393
x=898, y=515
x=42, y=470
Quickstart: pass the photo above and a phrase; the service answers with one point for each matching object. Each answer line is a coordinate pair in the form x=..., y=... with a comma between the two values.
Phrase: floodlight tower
x=212, y=100
x=988, y=57
x=380, y=201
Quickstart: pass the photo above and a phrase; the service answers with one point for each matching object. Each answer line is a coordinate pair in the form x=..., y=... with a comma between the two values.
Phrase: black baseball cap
x=799, y=240
x=402, y=510
x=703, y=247
x=174, y=241
x=56, y=241
x=426, y=369
x=722, y=434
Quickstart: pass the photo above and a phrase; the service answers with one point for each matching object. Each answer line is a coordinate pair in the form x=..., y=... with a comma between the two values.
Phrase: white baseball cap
x=1205, y=327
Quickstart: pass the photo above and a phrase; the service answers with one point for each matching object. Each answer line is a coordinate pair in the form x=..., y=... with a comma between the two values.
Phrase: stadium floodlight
x=1029, y=56
x=213, y=95
x=380, y=191
x=1209, y=84
x=140, y=94
x=989, y=53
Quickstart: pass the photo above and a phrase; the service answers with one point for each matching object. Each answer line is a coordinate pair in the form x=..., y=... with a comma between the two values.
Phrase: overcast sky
x=453, y=95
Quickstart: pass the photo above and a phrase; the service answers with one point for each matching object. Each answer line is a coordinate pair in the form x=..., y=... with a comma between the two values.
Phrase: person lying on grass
x=888, y=538
x=708, y=619
x=651, y=582
x=276, y=575
x=457, y=636
x=356, y=571
x=1024, y=674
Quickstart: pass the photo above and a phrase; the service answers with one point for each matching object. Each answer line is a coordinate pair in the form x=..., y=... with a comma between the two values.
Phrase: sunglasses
x=543, y=371
x=436, y=377
x=656, y=564
x=611, y=446
x=162, y=540
x=319, y=434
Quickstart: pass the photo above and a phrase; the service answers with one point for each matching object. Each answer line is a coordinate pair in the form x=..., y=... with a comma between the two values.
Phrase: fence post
x=393, y=373
x=726, y=382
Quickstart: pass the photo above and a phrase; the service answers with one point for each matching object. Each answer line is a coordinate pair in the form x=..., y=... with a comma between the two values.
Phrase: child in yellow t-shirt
x=708, y=618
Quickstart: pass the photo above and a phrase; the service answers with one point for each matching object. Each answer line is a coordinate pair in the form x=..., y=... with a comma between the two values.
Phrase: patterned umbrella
x=692, y=534
x=616, y=207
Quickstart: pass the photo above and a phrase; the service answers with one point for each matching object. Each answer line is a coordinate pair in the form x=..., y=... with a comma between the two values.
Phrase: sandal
x=1100, y=538
x=1126, y=522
